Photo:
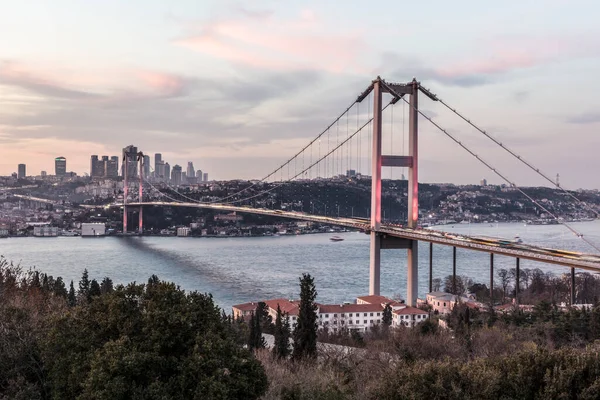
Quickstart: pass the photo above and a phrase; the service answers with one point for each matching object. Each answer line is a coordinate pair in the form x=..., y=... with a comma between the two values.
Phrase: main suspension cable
x=512, y=184
x=517, y=156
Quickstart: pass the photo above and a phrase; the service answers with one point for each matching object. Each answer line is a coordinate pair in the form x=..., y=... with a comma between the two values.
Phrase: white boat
x=336, y=239
x=518, y=239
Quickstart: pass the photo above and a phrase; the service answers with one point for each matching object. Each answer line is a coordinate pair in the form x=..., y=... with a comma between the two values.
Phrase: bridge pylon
x=378, y=161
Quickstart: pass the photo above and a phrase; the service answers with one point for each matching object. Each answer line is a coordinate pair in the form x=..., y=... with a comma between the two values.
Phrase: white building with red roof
x=361, y=317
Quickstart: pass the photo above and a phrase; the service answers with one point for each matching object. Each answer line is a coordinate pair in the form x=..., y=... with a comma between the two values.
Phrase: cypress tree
x=281, y=348
x=255, y=338
x=386, y=319
x=94, y=289
x=84, y=285
x=106, y=286
x=305, y=332
x=71, y=296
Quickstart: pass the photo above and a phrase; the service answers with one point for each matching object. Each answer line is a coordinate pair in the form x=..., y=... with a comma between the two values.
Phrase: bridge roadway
x=590, y=262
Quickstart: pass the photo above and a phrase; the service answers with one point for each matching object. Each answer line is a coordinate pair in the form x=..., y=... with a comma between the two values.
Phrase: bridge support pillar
x=491, y=279
x=430, y=267
x=572, y=286
x=454, y=269
x=517, y=280
x=412, y=274
x=141, y=193
x=375, y=258
x=375, y=264
x=125, y=191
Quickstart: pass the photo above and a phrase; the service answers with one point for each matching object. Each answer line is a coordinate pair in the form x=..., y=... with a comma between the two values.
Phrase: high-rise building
x=94, y=165
x=146, y=167
x=205, y=177
x=483, y=182
x=167, y=171
x=60, y=166
x=176, y=175
x=129, y=161
x=103, y=166
x=159, y=172
x=112, y=169
x=184, y=179
x=21, y=171
x=199, y=175
x=157, y=160
x=190, y=172
x=44, y=174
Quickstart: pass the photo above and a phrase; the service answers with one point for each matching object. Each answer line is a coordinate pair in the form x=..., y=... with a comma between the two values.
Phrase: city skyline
x=245, y=87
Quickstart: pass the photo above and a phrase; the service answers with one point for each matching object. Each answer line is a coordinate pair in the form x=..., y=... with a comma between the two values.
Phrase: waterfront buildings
x=21, y=174
x=361, y=316
x=93, y=229
x=60, y=166
x=45, y=231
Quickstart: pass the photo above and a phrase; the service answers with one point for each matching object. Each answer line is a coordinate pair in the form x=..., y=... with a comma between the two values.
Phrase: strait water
x=238, y=270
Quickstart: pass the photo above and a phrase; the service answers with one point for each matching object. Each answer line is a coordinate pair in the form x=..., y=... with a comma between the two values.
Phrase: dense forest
x=96, y=340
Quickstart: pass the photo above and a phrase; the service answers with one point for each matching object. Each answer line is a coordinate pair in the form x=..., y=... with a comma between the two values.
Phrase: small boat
x=336, y=239
x=518, y=239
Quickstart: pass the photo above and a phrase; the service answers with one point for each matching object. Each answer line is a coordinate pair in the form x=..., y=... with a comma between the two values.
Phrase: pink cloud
x=278, y=44
x=103, y=86
x=500, y=56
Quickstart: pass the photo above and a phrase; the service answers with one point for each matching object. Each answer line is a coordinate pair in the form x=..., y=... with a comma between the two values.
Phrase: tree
x=106, y=286
x=72, y=300
x=94, y=289
x=255, y=337
x=59, y=288
x=265, y=320
x=305, y=332
x=84, y=286
x=281, y=349
x=386, y=319
x=504, y=276
x=436, y=284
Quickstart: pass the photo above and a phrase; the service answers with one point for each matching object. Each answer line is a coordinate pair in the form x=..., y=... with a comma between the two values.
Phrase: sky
x=238, y=87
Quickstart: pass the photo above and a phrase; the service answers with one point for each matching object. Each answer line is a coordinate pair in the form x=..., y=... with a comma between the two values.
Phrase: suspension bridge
x=353, y=143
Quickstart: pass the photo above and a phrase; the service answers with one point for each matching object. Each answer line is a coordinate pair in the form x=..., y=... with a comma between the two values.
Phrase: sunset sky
x=237, y=87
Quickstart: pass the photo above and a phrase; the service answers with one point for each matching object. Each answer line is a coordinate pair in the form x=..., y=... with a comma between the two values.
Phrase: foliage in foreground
x=150, y=341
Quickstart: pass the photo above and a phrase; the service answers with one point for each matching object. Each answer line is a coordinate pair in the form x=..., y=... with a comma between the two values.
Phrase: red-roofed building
x=408, y=316
x=243, y=310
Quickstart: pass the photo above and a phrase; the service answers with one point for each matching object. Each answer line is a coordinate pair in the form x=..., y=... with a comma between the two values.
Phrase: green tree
x=305, y=331
x=255, y=337
x=71, y=298
x=106, y=286
x=59, y=288
x=281, y=349
x=266, y=321
x=84, y=286
x=94, y=288
x=148, y=341
x=386, y=319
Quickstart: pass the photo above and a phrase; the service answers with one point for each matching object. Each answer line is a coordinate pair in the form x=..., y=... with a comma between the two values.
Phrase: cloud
x=585, y=118
x=261, y=40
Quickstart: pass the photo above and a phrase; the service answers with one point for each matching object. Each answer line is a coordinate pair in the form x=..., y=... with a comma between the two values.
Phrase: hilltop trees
x=305, y=332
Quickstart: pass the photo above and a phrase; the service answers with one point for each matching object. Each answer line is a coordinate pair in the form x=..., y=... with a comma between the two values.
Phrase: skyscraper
x=103, y=166
x=190, y=172
x=21, y=171
x=146, y=167
x=94, y=166
x=157, y=160
x=167, y=171
x=199, y=175
x=176, y=175
x=130, y=155
x=112, y=169
x=60, y=166
x=205, y=178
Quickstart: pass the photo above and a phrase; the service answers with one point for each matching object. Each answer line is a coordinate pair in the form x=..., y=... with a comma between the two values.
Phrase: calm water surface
x=237, y=270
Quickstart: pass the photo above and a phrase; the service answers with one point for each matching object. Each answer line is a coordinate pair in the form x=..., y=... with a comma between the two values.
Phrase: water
x=238, y=270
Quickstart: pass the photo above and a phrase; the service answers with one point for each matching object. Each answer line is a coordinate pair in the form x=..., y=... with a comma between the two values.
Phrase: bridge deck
x=588, y=262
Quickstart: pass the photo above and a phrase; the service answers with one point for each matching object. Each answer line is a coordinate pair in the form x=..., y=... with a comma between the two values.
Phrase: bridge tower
x=125, y=190
x=379, y=241
x=141, y=192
